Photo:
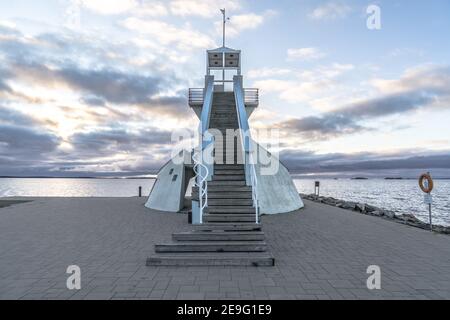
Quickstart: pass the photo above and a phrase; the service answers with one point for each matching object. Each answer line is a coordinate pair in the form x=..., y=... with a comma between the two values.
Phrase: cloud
x=305, y=54
x=347, y=120
x=202, y=8
x=184, y=38
x=25, y=143
x=151, y=9
x=427, y=77
x=93, y=101
x=318, y=128
x=242, y=22
x=101, y=143
x=310, y=162
x=13, y=117
x=418, y=88
x=90, y=109
x=331, y=11
x=109, y=7
x=109, y=80
x=304, y=86
x=267, y=72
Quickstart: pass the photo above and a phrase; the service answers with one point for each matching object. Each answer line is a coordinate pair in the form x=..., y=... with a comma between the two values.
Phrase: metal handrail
x=201, y=180
x=247, y=142
x=196, y=96
x=201, y=169
x=251, y=96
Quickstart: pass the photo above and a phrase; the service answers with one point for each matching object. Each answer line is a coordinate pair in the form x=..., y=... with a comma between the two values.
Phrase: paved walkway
x=321, y=253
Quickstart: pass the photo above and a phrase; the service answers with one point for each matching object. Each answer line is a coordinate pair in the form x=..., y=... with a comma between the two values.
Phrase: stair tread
x=212, y=259
x=222, y=232
x=214, y=243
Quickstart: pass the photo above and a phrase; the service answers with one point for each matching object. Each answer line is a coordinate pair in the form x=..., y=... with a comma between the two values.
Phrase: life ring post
x=427, y=185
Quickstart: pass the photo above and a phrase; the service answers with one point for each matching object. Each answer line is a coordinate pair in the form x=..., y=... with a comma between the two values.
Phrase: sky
x=96, y=88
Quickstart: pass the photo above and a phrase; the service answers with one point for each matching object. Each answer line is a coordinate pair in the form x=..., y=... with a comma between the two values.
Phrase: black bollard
x=140, y=191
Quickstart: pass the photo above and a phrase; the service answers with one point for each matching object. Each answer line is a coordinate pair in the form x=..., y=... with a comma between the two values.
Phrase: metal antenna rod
x=224, y=24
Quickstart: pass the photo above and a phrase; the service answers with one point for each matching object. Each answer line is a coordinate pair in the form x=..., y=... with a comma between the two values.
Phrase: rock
x=361, y=207
x=441, y=229
x=377, y=213
x=370, y=208
x=389, y=214
x=410, y=218
x=331, y=202
x=348, y=205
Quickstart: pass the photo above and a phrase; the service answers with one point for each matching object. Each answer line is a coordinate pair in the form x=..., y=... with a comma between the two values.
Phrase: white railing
x=201, y=181
x=196, y=96
x=203, y=170
x=247, y=143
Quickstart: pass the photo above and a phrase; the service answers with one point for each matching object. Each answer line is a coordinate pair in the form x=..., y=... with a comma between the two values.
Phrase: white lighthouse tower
x=235, y=179
x=229, y=174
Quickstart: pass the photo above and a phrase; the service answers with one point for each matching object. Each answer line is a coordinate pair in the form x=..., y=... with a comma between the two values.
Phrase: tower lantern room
x=223, y=63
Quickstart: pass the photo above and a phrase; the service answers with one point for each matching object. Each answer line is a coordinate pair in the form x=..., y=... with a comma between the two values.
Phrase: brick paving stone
x=321, y=253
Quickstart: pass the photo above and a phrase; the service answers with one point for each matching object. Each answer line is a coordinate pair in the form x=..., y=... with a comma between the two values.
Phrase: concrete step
x=231, y=226
x=229, y=167
x=232, y=210
x=230, y=202
x=229, y=177
x=219, y=126
x=225, y=194
x=229, y=218
x=229, y=172
x=220, y=189
x=226, y=183
x=212, y=259
x=219, y=236
x=229, y=195
x=213, y=246
x=224, y=110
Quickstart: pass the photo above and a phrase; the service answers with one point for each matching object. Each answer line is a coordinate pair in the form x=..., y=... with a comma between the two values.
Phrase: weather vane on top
x=225, y=19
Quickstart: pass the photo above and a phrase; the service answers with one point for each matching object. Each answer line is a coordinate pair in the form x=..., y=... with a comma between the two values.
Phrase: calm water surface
x=403, y=196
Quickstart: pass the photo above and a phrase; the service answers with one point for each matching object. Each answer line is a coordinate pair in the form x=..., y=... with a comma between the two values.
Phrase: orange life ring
x=426, y=176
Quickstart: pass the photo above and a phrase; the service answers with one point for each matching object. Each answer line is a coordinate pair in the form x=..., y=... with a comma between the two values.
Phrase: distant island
x=359, y=178
x=393, y=178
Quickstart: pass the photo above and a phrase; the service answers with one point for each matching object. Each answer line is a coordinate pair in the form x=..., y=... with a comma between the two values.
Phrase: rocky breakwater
x=370, y=210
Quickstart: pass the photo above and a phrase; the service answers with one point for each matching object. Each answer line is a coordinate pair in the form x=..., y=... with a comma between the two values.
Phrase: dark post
x=140, y=191
x=431, y=221
x=317, y=188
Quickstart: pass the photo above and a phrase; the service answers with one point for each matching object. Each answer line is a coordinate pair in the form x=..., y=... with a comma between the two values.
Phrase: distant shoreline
x=103, y=178
x=294, y=175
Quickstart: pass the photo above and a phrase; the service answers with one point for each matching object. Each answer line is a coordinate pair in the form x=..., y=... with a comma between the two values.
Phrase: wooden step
x=219, y=236
x=212, y=259
x=229, y=218
x=214, y=246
